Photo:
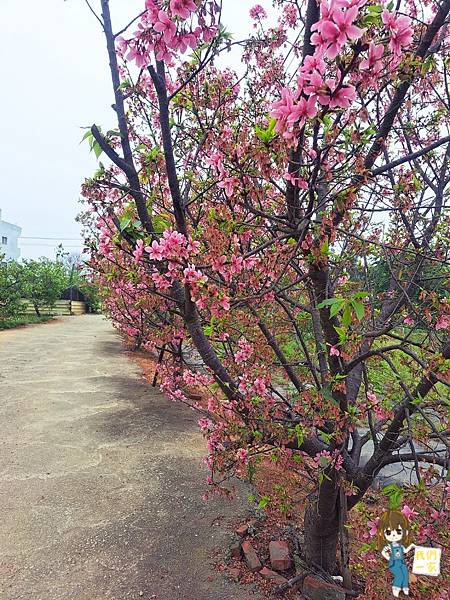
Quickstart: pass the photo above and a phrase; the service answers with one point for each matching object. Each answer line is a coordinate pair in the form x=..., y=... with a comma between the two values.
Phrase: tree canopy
x=284, y=220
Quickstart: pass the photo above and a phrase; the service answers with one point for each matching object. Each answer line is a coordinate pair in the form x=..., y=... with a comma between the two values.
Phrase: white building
x=9, y=235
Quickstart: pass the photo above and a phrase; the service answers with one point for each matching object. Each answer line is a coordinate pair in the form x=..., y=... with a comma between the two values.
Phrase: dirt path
x=100, y=476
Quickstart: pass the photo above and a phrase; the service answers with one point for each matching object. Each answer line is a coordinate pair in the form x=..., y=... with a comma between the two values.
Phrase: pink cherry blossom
x=245, y=351
x=373, y=526
x=334, y=351
x=304, y=109
x=228, y=185
x=372, y=397
x=139, y=250
x=182, y=8
x=373, y=61
x=443, y=322
x=343, y=97
x=155, y=251
x=437, y=514
x=200, y=303
x=193, y=276
x=225, y=302
x=323, y=454
x=335, y=29
x=343, y=279
x=425, y=531
x=259, y=386
x=409, y=512
x=204, y=424
x=161, y=282
x=282, y=109
x=242, y=455
x=400, y=30
x=258, y=12
x=165, y=26
x=338, y=462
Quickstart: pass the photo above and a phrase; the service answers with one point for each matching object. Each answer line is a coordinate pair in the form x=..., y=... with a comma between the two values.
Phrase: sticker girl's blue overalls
x=397, y=566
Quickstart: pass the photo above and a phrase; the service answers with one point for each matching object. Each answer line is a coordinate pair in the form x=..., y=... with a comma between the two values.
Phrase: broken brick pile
x=280, y=564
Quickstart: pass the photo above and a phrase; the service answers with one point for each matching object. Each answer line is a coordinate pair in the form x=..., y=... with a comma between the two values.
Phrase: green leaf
x=359, y=309
x=336, y=307
x=342, y=333
x=87, y=135
x=325, y=248
x=161, y=222
x=272, y=124
x=326, y=437
x=328, y=302
x=124, y=223
x=263, y=502
x=326, y=393
x=125, y=84
x=395, y=495
x=97, y=149
x=347, y=316
x=299, y=434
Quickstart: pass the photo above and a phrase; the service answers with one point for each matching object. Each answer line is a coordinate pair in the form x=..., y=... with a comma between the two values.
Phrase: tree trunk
x=36, y=308
x=321, y=528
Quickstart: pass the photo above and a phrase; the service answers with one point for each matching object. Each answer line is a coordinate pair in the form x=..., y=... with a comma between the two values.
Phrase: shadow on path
x=101, y=477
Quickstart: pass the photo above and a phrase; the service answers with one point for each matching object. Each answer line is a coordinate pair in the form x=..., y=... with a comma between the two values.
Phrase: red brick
x=272, y=576
x=241, y=530
x=317, y=589
x=251, y=558
x=279, y=555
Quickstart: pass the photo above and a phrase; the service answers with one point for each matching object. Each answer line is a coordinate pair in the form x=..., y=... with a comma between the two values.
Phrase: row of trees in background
x=41, y=283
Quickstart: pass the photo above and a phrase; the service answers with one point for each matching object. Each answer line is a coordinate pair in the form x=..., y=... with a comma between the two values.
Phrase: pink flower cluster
x=409, y=513
x=193, y=276
x=172, y=246
x=258, y=12
x=105, y=243
x=166, y=32
x=400, y=31
x=375, y=405
x=373, y=62
x=443, y=322
x=234, y=266
x=242, y=456
x=205, y=424
x=138, y=251
x=325, y=454
x=336, y=27
x=245, y=351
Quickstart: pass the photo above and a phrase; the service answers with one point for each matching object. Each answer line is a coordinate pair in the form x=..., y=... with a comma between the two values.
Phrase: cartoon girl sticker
x=393, y=527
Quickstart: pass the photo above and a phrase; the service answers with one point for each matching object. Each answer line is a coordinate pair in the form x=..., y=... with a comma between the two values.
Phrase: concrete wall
x=9, y=235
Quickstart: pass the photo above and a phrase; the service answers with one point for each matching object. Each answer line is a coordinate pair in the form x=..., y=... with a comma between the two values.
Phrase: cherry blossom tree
x=244, y=218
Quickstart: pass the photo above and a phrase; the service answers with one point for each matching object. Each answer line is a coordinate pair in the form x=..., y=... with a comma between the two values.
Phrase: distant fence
x=61, y=307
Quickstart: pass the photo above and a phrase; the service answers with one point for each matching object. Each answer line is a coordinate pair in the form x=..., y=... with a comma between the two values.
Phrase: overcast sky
x=54, y=82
